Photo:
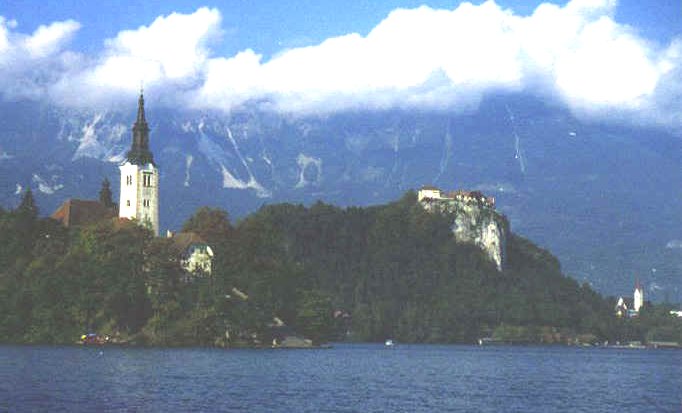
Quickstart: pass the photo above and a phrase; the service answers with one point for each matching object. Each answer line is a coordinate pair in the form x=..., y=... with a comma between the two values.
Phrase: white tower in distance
x=140, y=178
x=638, y=298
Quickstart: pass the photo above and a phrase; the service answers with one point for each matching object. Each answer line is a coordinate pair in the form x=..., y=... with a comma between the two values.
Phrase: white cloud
x=30, y=64
x=5, y=25
x=450, y=58
x=419, y=57
x=172, y=48
x=47, y=40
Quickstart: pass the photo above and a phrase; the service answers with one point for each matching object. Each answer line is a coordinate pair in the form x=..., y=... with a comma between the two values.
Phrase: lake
x=346, y=378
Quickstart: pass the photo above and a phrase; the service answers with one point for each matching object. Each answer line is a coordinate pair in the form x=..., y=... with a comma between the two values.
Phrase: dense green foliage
x=329, y=273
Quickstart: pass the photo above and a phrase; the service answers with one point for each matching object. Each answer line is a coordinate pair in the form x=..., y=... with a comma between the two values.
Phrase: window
x=129, y=180
x=145, y=203
x=128, y=202
x=147, y=179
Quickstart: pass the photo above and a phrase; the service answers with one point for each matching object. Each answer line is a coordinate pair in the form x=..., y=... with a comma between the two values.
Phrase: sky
x=604, y=59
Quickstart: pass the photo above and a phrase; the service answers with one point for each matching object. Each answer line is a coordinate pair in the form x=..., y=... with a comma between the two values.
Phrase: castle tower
x=140, y=178
x=638, y=299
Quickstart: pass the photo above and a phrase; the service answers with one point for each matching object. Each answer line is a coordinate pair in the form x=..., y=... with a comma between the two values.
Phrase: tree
x=28, y=207
x=314, y=316
x=105, y=197
x=212, y=224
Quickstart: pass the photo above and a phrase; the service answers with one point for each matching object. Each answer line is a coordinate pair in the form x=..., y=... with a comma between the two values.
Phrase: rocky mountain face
x=474, y=220
x=483, y=228
x=606, y=199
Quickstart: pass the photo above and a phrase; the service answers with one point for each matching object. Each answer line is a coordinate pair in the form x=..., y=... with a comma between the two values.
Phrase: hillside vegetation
x=363, y=274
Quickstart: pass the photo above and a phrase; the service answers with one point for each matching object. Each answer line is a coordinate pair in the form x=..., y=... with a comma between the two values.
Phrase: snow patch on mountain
x=229, y=181
x=100, y=139
x=219, y=158
x=188, y=164
x=674, y=244
x=188, y=127
x=46, y=187
x=304, y=163
x=253, y=183
x=518, y=155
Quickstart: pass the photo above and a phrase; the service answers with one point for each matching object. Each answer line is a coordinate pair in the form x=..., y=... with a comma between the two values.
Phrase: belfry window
x=147, y=179
x=129, y=180
x=145, y=203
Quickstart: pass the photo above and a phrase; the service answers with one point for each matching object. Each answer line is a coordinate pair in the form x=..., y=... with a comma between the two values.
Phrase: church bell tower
x=140, y=177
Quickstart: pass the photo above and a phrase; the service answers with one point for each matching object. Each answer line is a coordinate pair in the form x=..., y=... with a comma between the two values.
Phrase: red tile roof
x=76, y=212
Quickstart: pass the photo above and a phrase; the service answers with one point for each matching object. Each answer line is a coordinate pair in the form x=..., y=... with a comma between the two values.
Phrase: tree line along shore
x=320, y=272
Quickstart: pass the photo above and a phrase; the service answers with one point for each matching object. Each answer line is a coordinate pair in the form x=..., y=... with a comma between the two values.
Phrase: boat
x=389, y=343
x=94, y=339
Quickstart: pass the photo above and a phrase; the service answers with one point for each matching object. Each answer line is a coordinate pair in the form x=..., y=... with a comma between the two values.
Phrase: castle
x=476, y=220
x=431, y=197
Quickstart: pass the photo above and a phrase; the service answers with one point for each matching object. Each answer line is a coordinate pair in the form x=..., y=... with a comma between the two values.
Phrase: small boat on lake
x=94, y=339
x=389, y=343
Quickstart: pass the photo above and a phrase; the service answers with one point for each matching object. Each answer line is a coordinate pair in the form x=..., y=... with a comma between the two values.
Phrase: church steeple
x=139, y=197
x=139, y=153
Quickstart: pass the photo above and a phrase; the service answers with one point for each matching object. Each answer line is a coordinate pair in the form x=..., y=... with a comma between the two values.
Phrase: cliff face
x=483, y=227
x=475, y=220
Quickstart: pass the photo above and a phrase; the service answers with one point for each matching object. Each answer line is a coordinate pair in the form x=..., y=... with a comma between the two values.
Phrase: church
x=139, y=199
x=139, y=195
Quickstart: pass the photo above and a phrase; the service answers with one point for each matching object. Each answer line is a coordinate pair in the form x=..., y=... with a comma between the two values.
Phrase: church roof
x=76, y=212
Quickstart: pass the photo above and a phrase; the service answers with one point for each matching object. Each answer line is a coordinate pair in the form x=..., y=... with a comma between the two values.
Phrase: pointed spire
x=140, y=109
x=139, y=153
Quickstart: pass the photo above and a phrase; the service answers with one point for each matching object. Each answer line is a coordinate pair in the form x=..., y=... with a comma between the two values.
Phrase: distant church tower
x=638, y=299
x=140, y=177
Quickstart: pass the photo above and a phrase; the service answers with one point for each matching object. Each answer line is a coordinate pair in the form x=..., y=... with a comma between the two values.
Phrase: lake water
x=347, y=378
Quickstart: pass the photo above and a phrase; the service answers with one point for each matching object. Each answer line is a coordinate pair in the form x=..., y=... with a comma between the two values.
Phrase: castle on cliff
x=476, y=220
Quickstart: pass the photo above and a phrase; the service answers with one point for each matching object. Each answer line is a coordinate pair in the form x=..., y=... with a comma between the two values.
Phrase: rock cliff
x=475, y=220
x=484, y=228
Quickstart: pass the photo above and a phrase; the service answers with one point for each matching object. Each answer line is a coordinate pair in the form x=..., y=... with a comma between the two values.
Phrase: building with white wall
x=139, y=198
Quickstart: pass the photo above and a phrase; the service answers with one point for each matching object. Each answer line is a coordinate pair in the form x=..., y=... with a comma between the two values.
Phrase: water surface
x=347, y=378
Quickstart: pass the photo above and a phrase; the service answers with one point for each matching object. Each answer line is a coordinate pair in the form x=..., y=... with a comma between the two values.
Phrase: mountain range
x=605, y=198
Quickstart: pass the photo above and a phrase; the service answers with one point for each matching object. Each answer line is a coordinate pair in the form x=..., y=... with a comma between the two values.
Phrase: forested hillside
x=329, y=273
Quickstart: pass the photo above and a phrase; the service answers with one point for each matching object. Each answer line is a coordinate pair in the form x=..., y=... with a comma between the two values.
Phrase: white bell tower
x=140, y=178
x=638, y=297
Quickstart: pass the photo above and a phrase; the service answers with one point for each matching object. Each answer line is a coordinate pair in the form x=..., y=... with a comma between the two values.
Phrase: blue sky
x=600, y=58
x=267, y=26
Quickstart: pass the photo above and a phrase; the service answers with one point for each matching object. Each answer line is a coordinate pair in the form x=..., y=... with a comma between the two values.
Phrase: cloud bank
x=416, y=58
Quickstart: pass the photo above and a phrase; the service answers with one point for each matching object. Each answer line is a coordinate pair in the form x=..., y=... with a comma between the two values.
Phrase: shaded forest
x=362, y=274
